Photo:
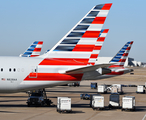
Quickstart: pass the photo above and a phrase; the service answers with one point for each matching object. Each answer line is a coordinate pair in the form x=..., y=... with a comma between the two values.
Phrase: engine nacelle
x=103, y=71
x=93, y=75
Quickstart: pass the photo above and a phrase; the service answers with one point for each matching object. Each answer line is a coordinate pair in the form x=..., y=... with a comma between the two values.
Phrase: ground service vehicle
x=38, y=98
x=85, y=96
x=81, y=96
x=93, y=85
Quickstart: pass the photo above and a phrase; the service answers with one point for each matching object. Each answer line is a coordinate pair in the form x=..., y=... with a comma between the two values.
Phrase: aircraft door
x=33, y=73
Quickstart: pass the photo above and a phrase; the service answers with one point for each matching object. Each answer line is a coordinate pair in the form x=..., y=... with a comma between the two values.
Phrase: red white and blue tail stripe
x=34, y=50
x=122, y=55
x=67, y=61
x=98, y=46
x=80, y=42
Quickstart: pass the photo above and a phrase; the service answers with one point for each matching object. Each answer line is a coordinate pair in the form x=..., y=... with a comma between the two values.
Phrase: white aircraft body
x=71, y=59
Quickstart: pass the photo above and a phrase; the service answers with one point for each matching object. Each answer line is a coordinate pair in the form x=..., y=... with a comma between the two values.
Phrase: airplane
x=117, y=68
x=66, y=62
x=119, y=59
x=34, y=49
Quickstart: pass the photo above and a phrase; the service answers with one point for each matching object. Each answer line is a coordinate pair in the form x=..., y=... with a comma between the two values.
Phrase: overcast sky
x=25, y=21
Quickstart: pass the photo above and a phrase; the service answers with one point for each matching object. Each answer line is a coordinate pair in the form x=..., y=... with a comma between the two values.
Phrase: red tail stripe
x=84, y=60
x=54, y=77
x=91, y=34
x=125, y=54
x=34, y=55
x=61, y=62
x=100, y=39
x=105, y=31
x=128, y=48
x=40, y=42
x=97, y=47
x=99, y=20
x=122, y=60
x=84, y=48
x=107, y=6
x=94, y=56
x=37, y=49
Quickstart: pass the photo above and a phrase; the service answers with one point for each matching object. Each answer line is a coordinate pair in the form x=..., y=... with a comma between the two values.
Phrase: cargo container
x=63, y=104
x=102, y=88
x=140, y=89
x=128, y=103
x=58, y=102
x=114, y=101
x=97, y=102
x=120, y=88
x=93, y=85
x=114, y=89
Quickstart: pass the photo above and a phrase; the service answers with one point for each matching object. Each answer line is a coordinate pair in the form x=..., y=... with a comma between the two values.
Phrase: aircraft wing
x=105, y=70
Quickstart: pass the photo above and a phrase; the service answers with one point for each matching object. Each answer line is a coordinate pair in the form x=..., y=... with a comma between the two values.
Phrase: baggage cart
x=120, y=88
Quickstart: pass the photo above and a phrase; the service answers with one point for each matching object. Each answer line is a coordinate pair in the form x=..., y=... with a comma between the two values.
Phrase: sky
x=25, y=21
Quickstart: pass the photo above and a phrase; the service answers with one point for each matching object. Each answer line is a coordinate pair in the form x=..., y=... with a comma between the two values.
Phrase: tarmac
x=14, y=107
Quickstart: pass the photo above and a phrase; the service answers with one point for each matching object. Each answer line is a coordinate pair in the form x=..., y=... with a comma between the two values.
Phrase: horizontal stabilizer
x=90, y=68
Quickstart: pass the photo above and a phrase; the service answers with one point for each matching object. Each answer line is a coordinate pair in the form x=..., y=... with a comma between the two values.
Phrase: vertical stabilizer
x=120, y=58
x=79, y=43
x=34, y=50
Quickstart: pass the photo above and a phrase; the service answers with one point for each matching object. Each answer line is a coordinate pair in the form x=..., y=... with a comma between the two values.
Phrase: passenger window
x=9, y=69
x=1, y=69
x=14, y=69
x=18, y=69
x=22, y=69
